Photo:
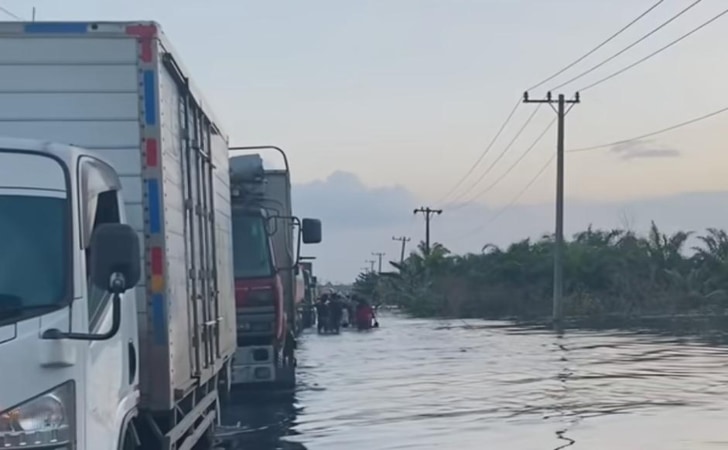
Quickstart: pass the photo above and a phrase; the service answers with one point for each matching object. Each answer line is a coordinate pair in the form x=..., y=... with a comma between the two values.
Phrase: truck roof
x=143, y=28
x=65, y=152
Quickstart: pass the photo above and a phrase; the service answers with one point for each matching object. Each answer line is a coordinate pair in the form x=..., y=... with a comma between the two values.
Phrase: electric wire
x=513, y=201
x=602, y=44
x=498, y=158
x=655, y=30
x=510, y=169
x=650, y=134
x=10, y=13
x=483, y=153
x=655, y=53
x=472, y=168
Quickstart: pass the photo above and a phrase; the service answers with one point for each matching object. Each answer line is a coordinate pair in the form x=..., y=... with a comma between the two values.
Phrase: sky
x=383, y=105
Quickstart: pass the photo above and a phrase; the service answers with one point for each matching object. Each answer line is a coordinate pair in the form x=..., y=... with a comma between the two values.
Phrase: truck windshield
x=251, y=250
x=33, y=260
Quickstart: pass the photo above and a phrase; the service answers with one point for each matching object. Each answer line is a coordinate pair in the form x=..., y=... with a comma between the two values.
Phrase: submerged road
x=428, y=384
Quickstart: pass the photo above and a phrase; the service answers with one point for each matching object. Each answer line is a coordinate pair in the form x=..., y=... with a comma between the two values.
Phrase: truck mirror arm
x=55, y=333
x=297, y=257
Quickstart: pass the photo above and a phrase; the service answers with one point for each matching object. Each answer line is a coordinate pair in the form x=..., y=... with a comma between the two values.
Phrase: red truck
x=265, y=262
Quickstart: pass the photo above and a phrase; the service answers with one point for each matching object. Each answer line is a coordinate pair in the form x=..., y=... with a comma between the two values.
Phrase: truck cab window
x=107, y=211
x=99, y=188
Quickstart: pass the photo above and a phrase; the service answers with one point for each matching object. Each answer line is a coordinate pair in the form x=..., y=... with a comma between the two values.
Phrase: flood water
x=427, y=384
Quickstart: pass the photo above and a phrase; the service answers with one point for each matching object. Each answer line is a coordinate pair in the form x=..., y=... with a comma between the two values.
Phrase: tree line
x=606, y=272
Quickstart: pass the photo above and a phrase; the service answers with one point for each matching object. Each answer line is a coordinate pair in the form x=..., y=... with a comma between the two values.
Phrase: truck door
x=111, y=365
x=200, y=235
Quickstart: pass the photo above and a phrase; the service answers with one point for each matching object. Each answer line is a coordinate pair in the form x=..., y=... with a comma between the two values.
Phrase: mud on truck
x=267, y=239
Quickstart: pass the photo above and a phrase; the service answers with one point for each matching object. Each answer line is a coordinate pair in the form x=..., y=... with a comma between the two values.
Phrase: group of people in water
x=335, y=311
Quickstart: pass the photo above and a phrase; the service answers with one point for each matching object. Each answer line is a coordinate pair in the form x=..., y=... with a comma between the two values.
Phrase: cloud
x=357, y=220
x=342, y=201
x=644, y=149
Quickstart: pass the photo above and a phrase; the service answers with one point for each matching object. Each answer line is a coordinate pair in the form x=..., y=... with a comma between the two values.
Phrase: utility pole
x=404, y=240
x=371, y=262
x=428, y=213
x=379, y=254
x=561, y=111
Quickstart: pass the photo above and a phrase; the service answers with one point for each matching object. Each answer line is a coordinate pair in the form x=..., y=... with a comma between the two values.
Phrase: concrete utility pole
x=379, y=254
x=558, y=310
x=427, y=212
x=371, y=262
x=404, y=240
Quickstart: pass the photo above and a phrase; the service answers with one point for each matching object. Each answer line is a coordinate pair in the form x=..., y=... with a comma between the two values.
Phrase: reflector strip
x=150, y=98
x=155, y=220
x=56, y=27
x=152, y=152
x=157, y=266
x=142, y=31
x=159, y=321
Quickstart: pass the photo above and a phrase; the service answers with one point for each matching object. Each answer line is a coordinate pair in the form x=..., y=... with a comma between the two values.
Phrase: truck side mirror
x=115, y=257
x=311, y=231
x=115, y=262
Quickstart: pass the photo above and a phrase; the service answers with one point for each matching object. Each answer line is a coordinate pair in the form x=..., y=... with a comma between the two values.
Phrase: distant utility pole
x=427, y=212
x=404, y=240
x=371, y=262
x=558, y=310
x=379, y=254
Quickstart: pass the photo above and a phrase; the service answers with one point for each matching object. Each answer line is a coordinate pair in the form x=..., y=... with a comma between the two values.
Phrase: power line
x=482, y=154
x=538, y=175
x=656, y=52
x=664, y=24
x=605, y=42
x=510, y=169
x=513, y=200
x=518, y=102
x=10, y=13
x=646, y=135
x=510, y=144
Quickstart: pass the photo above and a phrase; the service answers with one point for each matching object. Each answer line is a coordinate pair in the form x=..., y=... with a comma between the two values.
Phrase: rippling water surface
x=426, y=384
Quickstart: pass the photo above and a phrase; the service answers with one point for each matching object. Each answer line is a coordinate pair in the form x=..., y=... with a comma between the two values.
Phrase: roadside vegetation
x=606, y=273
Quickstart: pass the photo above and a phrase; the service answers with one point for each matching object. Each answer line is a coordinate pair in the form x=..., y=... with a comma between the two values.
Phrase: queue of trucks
x=142, y=279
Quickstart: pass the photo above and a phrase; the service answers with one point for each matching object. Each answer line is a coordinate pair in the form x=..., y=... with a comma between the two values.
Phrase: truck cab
x=71, y=345
x=258, y=290
x=268, y=285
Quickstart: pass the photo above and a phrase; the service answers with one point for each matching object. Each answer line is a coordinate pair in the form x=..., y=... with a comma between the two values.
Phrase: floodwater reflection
x=426, y=384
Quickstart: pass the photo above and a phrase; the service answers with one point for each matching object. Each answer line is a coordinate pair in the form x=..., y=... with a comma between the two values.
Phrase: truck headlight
x=46, y=421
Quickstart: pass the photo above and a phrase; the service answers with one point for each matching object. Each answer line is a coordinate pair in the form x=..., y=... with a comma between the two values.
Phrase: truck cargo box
x=119, y=89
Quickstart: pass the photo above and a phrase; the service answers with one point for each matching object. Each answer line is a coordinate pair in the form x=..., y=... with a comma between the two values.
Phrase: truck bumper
x=258, y=366
x=254, y=364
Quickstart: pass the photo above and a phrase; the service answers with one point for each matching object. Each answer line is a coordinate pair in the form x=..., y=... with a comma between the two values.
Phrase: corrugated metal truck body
x=119, y=90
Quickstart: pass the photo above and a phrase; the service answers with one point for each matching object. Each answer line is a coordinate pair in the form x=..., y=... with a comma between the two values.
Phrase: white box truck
x=138, y=161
